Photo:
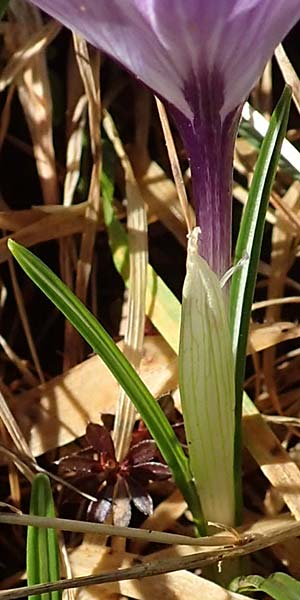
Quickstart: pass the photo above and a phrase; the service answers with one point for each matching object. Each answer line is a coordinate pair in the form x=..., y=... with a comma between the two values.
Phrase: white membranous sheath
x=206, y=372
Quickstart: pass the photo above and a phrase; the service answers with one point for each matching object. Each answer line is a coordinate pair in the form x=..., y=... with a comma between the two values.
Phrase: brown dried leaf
x=35, y=96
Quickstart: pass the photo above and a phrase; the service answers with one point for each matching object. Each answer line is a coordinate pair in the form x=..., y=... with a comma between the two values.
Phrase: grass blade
x=249, y=243
x=279, y=586
x=42, y=544
x=102, y=344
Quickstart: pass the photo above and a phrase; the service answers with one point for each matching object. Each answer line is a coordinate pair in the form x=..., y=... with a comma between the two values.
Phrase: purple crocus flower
x=202, y=57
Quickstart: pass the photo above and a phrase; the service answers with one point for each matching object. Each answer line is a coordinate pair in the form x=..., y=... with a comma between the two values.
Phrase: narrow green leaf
x=117, y=236
x=102, y=344
x=279, y=586
x=162, y=307
x=42, y=544
x=249, y=245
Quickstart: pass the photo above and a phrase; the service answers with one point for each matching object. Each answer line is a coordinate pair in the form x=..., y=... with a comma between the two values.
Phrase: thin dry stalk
x=6, y=112
x=24, y=320
x=275, y=301
x=76, y=120
x=175, y=166
x=163, y=518
x=25, y=462
x=284, y=247
x=17, y=437
x=19, y=363
x=76, y=113
x=101, y=529
x=138, y=260
x=249, y=544
x=293, y=221
x=262, y=94
x=289, y=74
x=37, y=42
x=89, y=67
x=35, y=96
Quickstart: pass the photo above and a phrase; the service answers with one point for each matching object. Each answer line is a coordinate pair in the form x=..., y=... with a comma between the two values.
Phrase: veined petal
x=202, y=57
x=206, y=378
x=171, y=44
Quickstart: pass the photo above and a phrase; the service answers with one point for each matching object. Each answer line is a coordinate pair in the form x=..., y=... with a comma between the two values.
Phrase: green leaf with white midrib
x=249, y=245
x=96, y=336
x=42, y=543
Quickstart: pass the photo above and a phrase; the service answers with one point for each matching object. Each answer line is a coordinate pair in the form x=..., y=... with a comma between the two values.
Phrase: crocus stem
x=209, y=145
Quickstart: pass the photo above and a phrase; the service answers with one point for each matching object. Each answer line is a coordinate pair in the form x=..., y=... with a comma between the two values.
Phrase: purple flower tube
x=201, y=57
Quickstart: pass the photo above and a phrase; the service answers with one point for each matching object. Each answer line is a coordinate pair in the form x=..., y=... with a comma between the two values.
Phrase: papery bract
x=206, y=376
x=202, y=57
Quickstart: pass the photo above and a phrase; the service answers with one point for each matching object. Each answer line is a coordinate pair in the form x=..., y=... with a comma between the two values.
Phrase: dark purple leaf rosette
x=115, y=484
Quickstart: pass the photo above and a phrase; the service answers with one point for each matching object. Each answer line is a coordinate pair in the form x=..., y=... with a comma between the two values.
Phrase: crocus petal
x=169, y=43
x=202, y=57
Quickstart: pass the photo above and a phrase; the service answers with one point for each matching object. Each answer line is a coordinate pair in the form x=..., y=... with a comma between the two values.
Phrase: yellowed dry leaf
x=273, y=460
x=53, y=226
x=70, y=401
x=163, y=518
x=264, y=336
x=181, y=585
x=92, y=557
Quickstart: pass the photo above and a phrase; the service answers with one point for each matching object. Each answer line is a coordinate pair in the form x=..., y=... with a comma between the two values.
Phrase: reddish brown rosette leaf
x=115, y=485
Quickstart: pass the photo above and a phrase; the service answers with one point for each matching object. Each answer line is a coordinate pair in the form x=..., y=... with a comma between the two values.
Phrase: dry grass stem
x=89, y=65
x=17, y=437
x=284, y=247
x=289, y=74
x=220, y=540
x=24, y=320
x=35, y=96
x=20, y=364
x=249, y=544
x=275, y=301
x=37, y=42
x=175, y=166
x=138, y=260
